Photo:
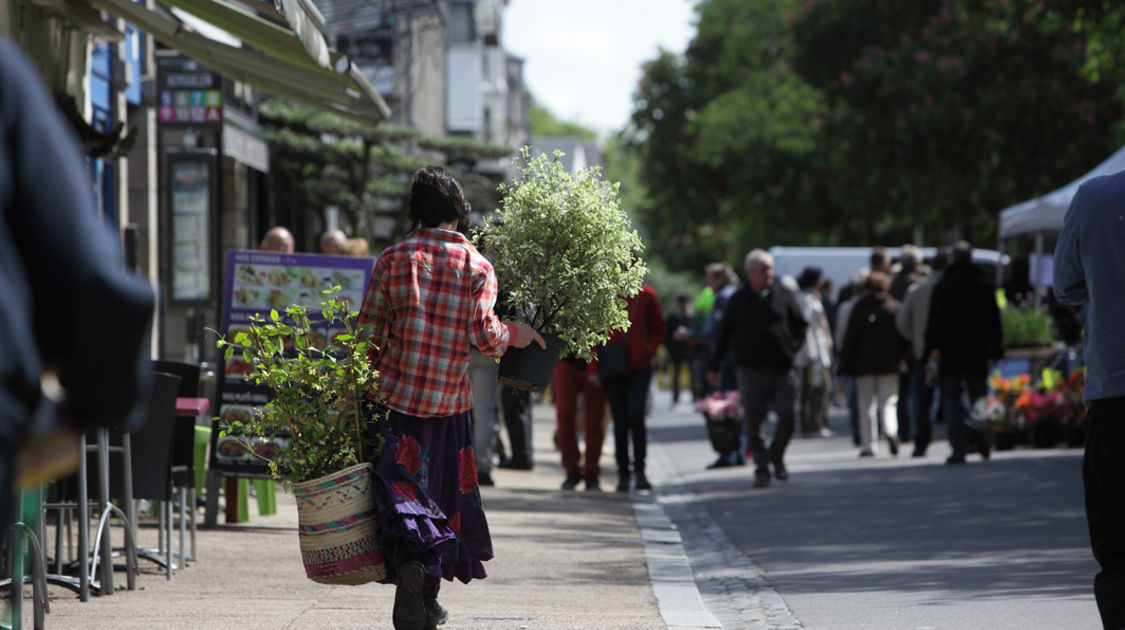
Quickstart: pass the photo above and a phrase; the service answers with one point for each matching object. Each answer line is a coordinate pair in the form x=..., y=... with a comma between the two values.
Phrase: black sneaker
x=780, y=471
x=485, y=479
x=623, y=482
x=572, y=480
x=436, y=614
x=762, y=479
x=592, y=485
x=642, y=482
x=410, y=609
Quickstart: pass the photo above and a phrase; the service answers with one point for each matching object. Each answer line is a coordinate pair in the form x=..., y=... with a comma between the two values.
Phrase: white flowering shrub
x=565, y=252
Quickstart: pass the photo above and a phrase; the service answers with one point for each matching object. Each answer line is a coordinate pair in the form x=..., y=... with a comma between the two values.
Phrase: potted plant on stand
x=566, y=257
x=315, y=429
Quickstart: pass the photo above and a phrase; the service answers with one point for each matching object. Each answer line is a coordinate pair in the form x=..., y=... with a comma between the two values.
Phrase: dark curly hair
x=436, y=198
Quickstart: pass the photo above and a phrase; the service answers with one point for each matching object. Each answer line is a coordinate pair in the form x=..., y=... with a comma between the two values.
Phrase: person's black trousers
x=516, y=405
x=627, y=397
x=1103, y=476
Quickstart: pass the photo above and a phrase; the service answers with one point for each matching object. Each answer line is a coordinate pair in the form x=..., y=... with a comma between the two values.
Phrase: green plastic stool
x=202, y=441
x=267, y=496
x=243, y=500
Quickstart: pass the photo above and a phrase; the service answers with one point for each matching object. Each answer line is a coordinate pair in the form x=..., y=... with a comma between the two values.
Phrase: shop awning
x=292, y=62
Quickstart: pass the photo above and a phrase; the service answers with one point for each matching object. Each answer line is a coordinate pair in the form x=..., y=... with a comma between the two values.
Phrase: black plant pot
x=530, y=368
x=1004, y=441
x=1075, y=436
x=1046, y=434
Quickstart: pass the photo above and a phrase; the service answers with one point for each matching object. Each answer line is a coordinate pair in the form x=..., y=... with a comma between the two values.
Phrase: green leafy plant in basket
x=320, y=388
x=565, y=252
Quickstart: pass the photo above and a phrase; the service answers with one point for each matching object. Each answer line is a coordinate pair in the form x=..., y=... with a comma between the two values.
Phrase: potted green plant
x=566, y=257
x=319, y=388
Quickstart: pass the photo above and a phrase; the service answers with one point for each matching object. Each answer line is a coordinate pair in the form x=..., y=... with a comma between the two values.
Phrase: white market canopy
x=1045, y=213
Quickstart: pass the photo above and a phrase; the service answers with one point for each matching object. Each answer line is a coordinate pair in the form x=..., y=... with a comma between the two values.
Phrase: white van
x=840, y=263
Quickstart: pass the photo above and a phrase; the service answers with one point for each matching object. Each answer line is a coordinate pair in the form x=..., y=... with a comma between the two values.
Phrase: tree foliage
x=857, y=122
x=544, y=122
x=321, y=160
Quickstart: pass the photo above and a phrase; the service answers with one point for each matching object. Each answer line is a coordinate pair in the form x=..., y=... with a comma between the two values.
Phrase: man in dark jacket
x=962, y=334
x=67, y=309
x=765, y=324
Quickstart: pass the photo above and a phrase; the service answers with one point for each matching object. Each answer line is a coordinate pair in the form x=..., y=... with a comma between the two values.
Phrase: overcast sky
x=583, y=57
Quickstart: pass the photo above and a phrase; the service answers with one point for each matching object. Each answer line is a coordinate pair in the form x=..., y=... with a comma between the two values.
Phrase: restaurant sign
x=257, y=282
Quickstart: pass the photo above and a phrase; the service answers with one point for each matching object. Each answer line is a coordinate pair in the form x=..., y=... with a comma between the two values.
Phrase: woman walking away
x=627, y=391
x=873, y=354
x=431, y=297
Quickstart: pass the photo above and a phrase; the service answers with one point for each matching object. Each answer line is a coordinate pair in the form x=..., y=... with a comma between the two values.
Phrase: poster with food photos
x=256, y=283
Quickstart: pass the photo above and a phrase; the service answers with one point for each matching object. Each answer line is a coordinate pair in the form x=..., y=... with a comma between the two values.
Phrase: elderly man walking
x=1090, y=269
x=766, y=328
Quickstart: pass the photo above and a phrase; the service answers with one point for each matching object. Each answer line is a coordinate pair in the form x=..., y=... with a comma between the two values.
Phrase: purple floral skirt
x=427, y=496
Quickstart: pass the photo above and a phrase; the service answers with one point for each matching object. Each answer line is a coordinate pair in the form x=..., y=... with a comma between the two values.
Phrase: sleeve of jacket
x=1069, y=274
x=904, y=319
x=847, y=347
x=798, y=324
x=91, y=317
x=995, y=328
x=655, y=324
x=486, y=331
x=935, y=321
x=731, y=315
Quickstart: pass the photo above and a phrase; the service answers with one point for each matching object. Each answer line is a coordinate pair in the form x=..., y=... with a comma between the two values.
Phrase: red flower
x=468, y=469
x=407, y=455
x=404, y=489
x=455, y=524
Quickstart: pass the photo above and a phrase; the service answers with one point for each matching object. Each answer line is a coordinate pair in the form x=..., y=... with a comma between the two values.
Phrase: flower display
x=1052, y=404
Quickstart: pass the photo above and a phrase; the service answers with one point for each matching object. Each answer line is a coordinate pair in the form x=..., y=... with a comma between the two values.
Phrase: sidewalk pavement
x=564, y=560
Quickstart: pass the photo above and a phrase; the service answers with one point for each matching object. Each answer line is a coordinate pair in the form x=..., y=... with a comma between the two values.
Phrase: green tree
x=943, y=113
x=727, y=134
x=320, y=160
x=856, y=122
x=544, y=122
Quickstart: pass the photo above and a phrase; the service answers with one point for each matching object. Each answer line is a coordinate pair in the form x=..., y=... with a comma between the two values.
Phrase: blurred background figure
x=516, y=406
x=678, y=346
x=70, y=314
x=911, y=273
x=873, y=354
x=484, y=381
x=963, y=333
x=843, y=313
x=628, y=394
x=722, y=282
x=814, y=361
x=278, y=239
x=574, y=377
x=911, y=322
x=357, y=246
x=333, y=243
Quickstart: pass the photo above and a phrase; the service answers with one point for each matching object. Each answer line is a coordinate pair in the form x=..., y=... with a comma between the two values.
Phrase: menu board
x=256, y=283
x=190, y=189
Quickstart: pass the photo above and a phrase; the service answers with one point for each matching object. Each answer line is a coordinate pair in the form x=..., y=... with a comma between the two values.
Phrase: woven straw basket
x=337, y=528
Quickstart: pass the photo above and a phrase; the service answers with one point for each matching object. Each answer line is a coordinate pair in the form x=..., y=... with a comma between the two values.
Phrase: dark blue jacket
x=65, y=299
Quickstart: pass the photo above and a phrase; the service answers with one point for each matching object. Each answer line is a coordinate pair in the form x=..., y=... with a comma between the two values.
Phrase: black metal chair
x=143, y=471
x=183, y=447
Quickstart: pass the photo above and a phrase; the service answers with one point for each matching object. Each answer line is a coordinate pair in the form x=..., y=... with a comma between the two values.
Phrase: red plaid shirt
x=429, y=298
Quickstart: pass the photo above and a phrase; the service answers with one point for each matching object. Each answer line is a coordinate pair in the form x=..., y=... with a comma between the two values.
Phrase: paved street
x=884, y=543
x=880, y=543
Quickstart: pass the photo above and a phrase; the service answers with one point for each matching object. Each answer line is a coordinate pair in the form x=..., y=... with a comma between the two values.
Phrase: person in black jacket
x=874, y=353
x=69, y=309
x=765, y=327
x=963, y=333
